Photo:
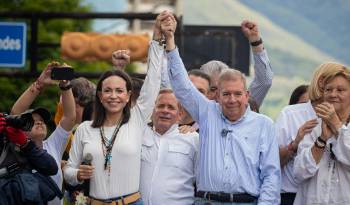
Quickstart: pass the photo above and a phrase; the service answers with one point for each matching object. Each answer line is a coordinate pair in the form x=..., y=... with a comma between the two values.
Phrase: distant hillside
x=293, y=58
x=289, y=54
x=323, y=24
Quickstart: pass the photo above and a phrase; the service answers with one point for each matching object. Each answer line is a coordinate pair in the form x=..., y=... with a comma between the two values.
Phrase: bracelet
x=256, y=43
x=321, y=140
x=36, y=85
x=319, y=144
x=64, y=87
x=161, y=41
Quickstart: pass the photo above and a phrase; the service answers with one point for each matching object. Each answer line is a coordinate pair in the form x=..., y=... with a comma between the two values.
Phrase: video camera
x=22, y=121
x=9, y=155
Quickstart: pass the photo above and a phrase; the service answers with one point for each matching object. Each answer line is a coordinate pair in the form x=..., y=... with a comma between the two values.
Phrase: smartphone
x=62, y=73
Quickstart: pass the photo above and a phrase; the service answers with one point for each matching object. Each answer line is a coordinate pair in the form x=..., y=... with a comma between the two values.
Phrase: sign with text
x=13, y=38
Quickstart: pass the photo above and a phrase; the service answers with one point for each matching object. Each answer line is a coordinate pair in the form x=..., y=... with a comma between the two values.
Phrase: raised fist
x=250, y=30
x=120, y=59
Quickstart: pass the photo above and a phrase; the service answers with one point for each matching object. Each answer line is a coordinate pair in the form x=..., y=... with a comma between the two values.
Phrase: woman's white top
x=327, y=182
x=124, y=176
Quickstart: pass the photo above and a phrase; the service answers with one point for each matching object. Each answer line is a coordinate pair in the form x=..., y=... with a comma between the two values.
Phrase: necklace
x=107, y=145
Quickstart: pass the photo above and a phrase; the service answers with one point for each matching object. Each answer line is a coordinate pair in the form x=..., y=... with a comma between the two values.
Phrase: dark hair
x=88, y=111
x=200, y=73
x=297, y=93
x=136, y=88
x=99, y=111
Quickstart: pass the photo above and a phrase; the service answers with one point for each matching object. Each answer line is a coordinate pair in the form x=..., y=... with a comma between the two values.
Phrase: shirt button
x=226, y=167
x=226, y=154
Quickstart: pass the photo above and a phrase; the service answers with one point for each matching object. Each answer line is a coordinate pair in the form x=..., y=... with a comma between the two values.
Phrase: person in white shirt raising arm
x=114, y=136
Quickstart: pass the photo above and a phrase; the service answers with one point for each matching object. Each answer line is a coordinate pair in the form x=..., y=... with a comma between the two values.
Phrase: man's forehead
x=232, y=85
x=167, y=96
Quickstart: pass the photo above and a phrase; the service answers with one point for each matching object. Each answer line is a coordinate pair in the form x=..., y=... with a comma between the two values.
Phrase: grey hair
x=233, y=75
x=83, y=91
x=214, y=67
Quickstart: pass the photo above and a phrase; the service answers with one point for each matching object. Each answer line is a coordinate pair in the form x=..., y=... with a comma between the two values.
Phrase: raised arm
x=159, y=37
x=120, y=59
x=263, y=74
x=151, y=86
x=188, y=95
x=29, y=95
x=68, y=119
x=32, y=92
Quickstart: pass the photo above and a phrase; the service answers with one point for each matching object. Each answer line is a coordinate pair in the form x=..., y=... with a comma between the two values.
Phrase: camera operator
x=56, y=142
x=18, y=185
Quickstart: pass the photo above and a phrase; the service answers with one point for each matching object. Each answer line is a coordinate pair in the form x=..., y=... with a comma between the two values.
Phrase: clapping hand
x=328, y=115
x=306, y=128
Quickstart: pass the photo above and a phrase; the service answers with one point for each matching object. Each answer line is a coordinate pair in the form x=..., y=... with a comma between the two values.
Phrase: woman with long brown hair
x=113, y=138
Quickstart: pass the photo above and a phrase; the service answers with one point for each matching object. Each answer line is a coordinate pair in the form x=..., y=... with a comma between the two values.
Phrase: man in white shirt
x=168, y=157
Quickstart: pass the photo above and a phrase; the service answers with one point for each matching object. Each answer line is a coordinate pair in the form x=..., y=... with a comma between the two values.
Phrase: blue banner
x=13, y=39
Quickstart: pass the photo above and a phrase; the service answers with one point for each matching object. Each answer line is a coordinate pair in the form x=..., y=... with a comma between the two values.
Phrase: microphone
x=224, y=132
x=86, y=185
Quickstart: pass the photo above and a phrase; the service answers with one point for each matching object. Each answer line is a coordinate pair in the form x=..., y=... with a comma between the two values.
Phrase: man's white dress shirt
x=168, y=164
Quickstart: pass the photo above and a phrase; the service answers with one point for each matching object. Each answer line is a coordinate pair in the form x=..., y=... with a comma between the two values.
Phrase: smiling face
x=233, y=99
x=337, y=92
x=39, y=129
x=114, y=95
x=165, y=113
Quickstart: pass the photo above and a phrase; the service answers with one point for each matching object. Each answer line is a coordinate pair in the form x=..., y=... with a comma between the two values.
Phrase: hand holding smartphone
x=62, y=73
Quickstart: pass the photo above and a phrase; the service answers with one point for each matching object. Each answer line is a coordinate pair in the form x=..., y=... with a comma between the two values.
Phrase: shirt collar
x=173, y=128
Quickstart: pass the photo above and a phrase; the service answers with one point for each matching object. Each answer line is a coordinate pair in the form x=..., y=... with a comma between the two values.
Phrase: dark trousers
x=287, y=198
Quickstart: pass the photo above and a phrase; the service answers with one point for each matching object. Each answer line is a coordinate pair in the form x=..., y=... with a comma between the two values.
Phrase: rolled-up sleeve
x=304, y=164
x=262, y=80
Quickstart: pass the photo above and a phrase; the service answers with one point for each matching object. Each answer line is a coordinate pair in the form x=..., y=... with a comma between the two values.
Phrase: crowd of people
x=181, y=137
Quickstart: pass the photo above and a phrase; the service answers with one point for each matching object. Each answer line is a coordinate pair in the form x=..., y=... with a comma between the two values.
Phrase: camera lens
x=23, y=121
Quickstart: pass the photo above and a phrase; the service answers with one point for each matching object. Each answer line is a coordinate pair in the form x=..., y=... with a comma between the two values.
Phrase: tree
x=48, y=31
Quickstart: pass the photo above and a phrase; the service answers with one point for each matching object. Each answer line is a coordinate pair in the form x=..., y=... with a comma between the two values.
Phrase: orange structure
x=94, y=46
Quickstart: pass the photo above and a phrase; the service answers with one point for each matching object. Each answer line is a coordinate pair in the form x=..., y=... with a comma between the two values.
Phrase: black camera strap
x=4, y=152
x=10, y=160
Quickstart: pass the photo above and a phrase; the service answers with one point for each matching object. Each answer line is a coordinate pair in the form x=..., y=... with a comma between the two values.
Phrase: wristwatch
x=256, y=43
x=64, y=87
